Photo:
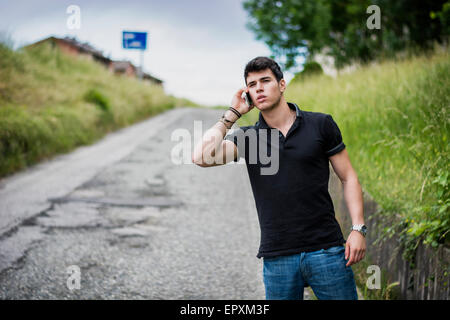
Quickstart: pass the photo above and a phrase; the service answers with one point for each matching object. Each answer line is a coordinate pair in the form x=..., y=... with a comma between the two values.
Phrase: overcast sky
x=197, y=47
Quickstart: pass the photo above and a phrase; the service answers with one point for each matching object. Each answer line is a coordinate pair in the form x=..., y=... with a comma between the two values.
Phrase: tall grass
x=51, y=103
x=394, y=118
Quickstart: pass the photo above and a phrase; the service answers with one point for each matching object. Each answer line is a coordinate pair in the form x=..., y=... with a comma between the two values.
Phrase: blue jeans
x=324, y=271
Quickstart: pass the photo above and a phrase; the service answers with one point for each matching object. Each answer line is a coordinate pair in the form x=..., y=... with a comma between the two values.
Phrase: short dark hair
x=263, y=63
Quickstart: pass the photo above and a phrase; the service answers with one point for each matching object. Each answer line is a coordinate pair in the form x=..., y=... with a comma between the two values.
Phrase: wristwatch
x=361, y=228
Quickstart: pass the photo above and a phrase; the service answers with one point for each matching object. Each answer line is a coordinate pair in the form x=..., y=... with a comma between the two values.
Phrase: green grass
x=394, y=119
x=50, y=103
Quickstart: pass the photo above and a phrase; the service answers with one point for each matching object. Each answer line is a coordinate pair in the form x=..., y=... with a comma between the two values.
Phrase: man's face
x=264, y=89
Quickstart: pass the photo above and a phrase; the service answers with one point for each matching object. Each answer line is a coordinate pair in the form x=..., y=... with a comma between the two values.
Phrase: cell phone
x=248, y=99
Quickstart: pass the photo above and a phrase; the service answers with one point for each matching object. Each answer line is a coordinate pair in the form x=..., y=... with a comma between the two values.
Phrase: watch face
x=360, y=228
x=364, y=230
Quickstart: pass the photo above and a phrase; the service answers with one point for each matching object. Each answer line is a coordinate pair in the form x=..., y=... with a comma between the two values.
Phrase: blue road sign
x=134, y=40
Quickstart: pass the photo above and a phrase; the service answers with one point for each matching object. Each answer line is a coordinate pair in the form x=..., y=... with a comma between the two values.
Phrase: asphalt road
x=136, y=224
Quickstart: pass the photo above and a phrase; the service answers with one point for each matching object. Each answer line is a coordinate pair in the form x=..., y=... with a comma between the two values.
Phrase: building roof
x=118, y=66
x=121, y=66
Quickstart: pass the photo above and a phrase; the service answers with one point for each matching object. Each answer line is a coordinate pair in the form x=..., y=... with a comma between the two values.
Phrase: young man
x=301, y=241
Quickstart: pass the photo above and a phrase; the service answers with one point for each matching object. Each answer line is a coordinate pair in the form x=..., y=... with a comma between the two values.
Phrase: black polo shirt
x=295, y=210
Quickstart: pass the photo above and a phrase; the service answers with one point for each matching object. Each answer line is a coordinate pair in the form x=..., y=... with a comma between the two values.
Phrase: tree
x=290, y=27
x=310, y=68
x=293, y=28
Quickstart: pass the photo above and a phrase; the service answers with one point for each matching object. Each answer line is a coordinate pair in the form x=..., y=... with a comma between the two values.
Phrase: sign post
x=138, y=41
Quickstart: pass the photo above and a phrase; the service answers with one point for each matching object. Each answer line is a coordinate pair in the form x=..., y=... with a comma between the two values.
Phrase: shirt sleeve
x=332, y=137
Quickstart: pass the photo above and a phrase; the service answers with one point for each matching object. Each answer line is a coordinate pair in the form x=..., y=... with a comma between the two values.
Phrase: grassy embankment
x=394, y=119
x=51, y=103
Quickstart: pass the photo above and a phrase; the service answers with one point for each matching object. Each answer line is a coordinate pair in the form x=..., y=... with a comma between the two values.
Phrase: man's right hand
x=239, y=103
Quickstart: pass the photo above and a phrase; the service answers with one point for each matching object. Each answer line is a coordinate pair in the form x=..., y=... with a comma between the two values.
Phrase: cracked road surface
x=137, y=225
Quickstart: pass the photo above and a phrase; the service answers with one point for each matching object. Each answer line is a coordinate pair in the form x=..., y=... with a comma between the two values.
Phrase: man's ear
x=282, y=85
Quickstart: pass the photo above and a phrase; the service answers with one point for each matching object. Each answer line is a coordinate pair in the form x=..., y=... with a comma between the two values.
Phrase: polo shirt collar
x=262, y=123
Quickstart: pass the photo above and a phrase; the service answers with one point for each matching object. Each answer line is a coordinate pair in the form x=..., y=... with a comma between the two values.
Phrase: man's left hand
x=355, y=248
